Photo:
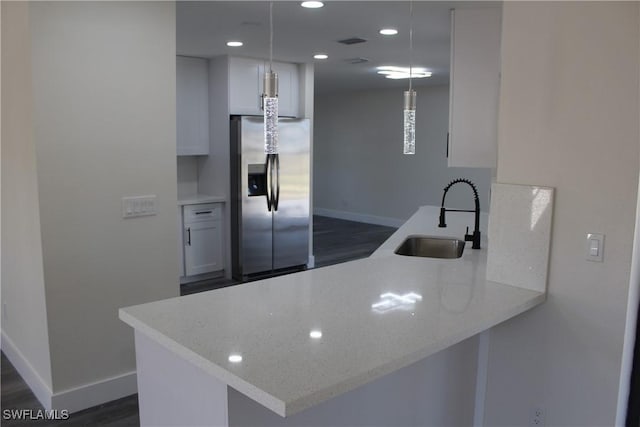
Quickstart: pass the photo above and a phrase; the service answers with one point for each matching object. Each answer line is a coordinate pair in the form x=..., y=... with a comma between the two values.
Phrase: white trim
x=358, y=217
x=481, y=378
x=630, y=325
x=92, y=394
x=74, y=399
x=311, y=263
x=35, y=382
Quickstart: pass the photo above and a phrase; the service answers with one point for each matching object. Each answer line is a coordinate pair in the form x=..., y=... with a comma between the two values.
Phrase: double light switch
x=595, y=247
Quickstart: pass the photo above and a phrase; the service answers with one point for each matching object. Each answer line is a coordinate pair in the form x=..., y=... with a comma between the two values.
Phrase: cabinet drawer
x=203, y=212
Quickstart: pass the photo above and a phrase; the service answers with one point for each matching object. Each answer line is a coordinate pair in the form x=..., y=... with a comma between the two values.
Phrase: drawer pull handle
x=203, y=212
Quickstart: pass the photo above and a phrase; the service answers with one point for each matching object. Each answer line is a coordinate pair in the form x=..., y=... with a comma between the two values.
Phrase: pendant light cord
x=271, y=36
x=410, y=43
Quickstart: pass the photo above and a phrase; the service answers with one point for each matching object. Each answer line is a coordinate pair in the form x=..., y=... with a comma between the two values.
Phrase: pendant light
x=410, y=97
x=270, y=97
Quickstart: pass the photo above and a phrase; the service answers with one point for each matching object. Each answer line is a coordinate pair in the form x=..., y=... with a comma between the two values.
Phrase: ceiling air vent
x=356, y=60
x=352, y=40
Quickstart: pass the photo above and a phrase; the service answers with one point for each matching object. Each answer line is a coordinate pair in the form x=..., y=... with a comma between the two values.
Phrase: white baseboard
x=96, y=393
x=358, y=217
x=35, y=382
x=74, y=399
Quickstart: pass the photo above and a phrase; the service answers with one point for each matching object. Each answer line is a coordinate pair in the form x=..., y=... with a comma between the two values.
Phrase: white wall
x=569, y=119
x=24, y=315
x=633, y=306
x=187, y=170
x=358, y=162
x=104, y=128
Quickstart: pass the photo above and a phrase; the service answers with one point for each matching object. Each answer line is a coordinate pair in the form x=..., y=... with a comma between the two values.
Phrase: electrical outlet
x=537, y=417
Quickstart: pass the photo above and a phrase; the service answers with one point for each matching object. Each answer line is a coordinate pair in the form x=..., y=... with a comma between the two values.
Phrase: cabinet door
x=287, y=87
x=474, y=87
x=203, y=247
x=192, y=106
x=245, y=86
x=180, y=244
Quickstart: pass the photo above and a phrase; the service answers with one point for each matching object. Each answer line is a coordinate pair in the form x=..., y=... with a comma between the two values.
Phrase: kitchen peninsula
x=293, y=342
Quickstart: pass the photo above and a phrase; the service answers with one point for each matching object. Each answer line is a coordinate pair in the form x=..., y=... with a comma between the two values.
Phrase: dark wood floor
x=335, y=241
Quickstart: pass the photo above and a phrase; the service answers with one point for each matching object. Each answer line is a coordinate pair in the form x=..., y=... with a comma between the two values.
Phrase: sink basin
x=431, y=247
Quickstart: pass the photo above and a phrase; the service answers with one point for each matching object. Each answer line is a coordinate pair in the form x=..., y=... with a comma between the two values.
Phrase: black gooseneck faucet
x=475, y=237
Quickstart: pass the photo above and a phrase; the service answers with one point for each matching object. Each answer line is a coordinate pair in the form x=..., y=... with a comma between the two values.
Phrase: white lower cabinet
x=180, y=243
x=202, y=237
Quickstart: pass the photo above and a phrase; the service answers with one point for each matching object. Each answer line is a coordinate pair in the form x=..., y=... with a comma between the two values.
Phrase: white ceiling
x=204, y=27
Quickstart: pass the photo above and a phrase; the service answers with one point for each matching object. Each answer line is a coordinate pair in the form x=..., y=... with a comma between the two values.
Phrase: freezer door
x=255, y=219
x=291, y=207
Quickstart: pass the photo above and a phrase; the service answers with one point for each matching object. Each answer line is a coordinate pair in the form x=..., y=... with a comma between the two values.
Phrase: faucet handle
x=468, y=237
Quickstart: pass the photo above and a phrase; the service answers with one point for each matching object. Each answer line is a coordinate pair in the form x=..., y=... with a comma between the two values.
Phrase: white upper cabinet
x=287, y=87
x=192, y=106
x=474, y=87
x=245, y=87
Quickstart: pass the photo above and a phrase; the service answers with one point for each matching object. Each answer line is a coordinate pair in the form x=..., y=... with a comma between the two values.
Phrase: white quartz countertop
x=310, y=336
x=194, y=199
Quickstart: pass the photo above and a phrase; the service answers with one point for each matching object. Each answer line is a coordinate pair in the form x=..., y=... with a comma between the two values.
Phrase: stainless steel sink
x=431, y=247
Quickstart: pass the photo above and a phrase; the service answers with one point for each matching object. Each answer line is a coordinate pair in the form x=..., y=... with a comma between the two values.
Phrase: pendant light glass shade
x=270, y=105
x=410, y=98
x=270, y=97
x=410, y=122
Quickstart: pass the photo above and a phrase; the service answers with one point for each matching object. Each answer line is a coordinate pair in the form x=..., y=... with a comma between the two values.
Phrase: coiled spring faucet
x=475, y=237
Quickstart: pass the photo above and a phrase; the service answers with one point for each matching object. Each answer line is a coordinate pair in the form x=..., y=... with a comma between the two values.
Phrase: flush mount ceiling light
x=234, y=43
x=388, y=31
x=312, y=4
x=320, y=56
x=393, y=72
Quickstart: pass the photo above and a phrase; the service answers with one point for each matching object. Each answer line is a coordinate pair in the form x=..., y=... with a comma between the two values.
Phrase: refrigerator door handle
x=269, y=174
x=276, y=197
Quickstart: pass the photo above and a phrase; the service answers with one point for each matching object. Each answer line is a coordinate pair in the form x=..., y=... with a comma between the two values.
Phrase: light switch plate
x=138, y=206
x=594, y=250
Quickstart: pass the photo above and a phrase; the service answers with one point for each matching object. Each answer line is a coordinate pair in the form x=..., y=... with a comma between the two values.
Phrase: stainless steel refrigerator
x=269, y=197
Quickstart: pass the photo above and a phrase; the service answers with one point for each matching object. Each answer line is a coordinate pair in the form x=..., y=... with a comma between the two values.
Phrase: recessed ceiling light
x=388, y=31
x=312, y=4
x=320, y=56
x=235, y=358
x=315, y=334
x=234, y=44
x=393, y=72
